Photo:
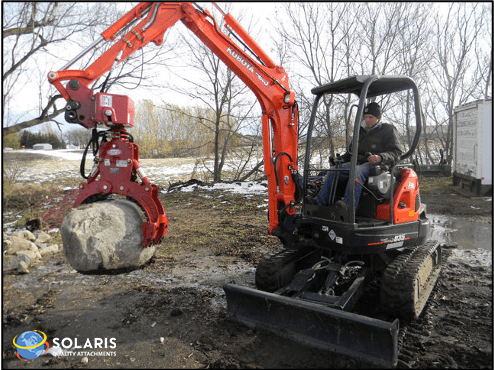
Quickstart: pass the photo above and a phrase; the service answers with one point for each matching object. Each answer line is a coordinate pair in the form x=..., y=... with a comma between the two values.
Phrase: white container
x=472, y=140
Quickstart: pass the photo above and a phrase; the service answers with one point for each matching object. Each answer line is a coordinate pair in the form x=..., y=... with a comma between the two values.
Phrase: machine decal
x=332, y=234
x=241, y=60
x=122, y=163
x=106, y=101
x=394, y=245
x=395, y=240
x=246, y=64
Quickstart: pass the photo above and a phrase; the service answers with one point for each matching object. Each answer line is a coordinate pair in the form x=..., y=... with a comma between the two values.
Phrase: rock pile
x=23, y=248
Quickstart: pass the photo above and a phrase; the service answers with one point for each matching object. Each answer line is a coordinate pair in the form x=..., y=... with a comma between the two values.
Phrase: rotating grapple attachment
x=118, y=169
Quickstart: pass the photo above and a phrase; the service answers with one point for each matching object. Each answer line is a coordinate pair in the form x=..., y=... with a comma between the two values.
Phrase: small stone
x=17, y=244
x=23, y=267
x=49, y=250
x=25, y=234
x=26, y=256
x=42, y=237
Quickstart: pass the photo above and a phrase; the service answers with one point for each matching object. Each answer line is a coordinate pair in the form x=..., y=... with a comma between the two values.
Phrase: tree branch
x=44, y=117
x=28, y=29
x=27, y=56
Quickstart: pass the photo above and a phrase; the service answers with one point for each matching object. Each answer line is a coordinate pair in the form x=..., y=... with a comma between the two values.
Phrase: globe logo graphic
x=30, y=345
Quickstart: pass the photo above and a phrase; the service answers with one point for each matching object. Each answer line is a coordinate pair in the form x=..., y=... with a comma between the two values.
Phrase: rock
x=42, y=237
x=105, y=235
x=23, y=267
x=25, y=251
x=14, y=244
x=9, y=262
x=26, y=256
x=6, y=242
x=25, y=234
x=40, y=245
x=49, y=250
x=16, y=263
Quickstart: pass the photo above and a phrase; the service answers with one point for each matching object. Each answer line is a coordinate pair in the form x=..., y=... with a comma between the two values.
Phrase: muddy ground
x=171, y=312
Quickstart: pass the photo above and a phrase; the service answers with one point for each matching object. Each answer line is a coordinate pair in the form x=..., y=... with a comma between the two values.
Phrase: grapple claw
x=118, y=168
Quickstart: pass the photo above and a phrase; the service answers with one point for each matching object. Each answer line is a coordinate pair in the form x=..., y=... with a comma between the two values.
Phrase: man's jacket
x=382, y=139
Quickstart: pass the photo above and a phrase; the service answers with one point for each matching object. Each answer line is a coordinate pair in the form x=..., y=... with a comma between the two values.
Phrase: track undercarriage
x=308, y=297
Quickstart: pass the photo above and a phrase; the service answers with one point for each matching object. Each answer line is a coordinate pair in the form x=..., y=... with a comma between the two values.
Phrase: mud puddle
x=464, y=234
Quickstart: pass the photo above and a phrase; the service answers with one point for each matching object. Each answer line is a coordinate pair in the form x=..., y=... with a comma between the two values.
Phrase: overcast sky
x=260, y=14
x=258, y=17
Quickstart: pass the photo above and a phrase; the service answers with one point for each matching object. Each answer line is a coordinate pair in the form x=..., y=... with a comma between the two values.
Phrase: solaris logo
x=30, y=345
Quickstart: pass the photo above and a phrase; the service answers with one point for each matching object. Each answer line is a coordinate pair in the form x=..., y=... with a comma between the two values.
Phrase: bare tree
x=78, y=137
x=483, y=52
x=212, y=85
x=412, y=48
x=454, y=60
x=319, y=38
x=39, y=37
x=31, y=32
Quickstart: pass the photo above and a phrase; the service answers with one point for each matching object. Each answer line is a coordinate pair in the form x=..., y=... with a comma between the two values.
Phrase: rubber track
x=407, y=349
x=272, y=272
x=398, y=294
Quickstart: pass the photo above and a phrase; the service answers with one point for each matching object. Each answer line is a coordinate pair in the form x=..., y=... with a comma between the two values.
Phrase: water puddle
x=464, y=234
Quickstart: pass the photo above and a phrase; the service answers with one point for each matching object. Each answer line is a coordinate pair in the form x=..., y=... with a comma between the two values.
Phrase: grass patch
x=431, y=183
x=44, y=202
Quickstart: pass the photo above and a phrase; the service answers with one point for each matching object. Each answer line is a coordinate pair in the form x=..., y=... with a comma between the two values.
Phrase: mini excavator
x=308, y=290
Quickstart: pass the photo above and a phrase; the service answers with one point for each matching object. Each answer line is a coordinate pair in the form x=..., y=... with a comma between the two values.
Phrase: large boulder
x=105, y=235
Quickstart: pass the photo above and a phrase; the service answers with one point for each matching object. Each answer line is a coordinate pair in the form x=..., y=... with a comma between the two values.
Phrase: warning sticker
x=107, y=101
x=122, y=163
x=332, y=234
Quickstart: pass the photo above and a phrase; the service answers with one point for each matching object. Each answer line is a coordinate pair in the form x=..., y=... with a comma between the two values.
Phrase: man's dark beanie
x=373, y=109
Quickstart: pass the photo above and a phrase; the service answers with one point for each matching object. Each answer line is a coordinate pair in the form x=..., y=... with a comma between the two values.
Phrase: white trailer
x=472, y=140
x=42, y=146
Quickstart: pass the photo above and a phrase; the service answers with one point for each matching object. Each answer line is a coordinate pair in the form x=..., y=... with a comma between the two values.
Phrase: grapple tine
x=359, y=337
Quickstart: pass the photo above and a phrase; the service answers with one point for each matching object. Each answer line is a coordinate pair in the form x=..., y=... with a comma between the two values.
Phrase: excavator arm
x=118, y=162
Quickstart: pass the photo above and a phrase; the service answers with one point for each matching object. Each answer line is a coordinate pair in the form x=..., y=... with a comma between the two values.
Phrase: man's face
x=370, y=121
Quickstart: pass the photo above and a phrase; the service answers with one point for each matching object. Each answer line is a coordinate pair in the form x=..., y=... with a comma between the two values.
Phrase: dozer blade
x=359, y=337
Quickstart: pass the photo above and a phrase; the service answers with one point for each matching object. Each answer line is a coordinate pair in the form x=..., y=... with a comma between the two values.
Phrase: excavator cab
x=390, y=199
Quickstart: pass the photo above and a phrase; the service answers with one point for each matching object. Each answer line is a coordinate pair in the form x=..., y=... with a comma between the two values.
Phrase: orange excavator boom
x=147, y=22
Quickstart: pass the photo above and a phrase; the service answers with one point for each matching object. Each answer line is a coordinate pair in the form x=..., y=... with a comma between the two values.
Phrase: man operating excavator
x=379, y=139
